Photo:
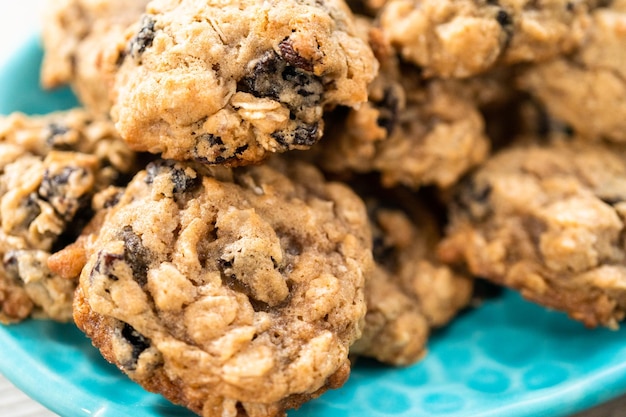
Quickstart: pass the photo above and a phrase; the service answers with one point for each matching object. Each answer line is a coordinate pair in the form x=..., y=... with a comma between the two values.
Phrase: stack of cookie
x=255, y=190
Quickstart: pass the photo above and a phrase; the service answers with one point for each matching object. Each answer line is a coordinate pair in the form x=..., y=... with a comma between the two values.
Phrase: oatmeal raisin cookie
x=548, y=220
x=232, y=292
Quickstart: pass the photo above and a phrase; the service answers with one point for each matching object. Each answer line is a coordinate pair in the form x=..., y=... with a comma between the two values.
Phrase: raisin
x=302, y=84
x=219, y=160
x=11, y=265
x=181, y=180
x=112, y=200
x=306, y=134
x=104, y=265
x=31, y=207
x=210, y=149
x=51, y=182
x=74, y=227
x=138, y=342
x=120, y=58
x=213, y=140
x=53, y=188
x=302, y=135
x=292, y=57
x=473, y=198
x=259, y=82
x=55, y=138
x=503, y=18
x=388, y=110
x=136, y=254
x=143, y=39
x=22, y=264
x=274, y=77
x=230, y=280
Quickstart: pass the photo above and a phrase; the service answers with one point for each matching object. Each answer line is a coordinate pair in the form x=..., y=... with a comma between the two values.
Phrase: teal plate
x=508, y=357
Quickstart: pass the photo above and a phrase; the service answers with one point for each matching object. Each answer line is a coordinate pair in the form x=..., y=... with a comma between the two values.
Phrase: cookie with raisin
x=547, y=220
x=234, y=82
x=50, y=168
x=229, y=291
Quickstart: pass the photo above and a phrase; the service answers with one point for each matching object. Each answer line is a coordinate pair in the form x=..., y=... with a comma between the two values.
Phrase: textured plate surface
x=507, y=358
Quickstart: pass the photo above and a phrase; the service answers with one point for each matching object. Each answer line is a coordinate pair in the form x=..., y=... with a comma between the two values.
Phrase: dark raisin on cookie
x=305, y=134
x=26, y=265
x=388, y=108
x=143, y=39
x=276, y=77
x=503, y=18
x=11, y=265
x=104, y=265
x=30, y=209
x=138, y=342
x=292, y=57
x=53, y=189
x=56, y=137
x=181, y=179
x=183, y=182
x=211, y=139
x=473, y=198
x=136, y=254
x=229, y=279
x=112, y=200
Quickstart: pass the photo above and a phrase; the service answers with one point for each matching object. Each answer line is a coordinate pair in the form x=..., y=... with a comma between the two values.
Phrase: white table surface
x=18, y=20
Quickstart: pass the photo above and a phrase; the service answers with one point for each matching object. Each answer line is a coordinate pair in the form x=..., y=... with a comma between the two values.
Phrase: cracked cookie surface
x=50, y=167
x=233, y=82
x=232, y=292
x=548, y=220
x=460, y=38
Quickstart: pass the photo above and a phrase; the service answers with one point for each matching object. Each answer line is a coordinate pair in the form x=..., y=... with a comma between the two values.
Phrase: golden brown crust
x=548, y=221
x=255, y=81
x=245, y=287
x=50, y=168
x=462, y=38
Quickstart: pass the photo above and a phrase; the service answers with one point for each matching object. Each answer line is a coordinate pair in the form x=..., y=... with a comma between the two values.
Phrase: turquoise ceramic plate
x=507, y=358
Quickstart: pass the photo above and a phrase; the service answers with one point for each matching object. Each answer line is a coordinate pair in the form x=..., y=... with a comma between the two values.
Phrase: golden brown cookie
x=234, y=82
x=587, y=90
x=232, y=292
x=413, y=132
x=548, y=220
x=50, y=167
x=461, y=38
